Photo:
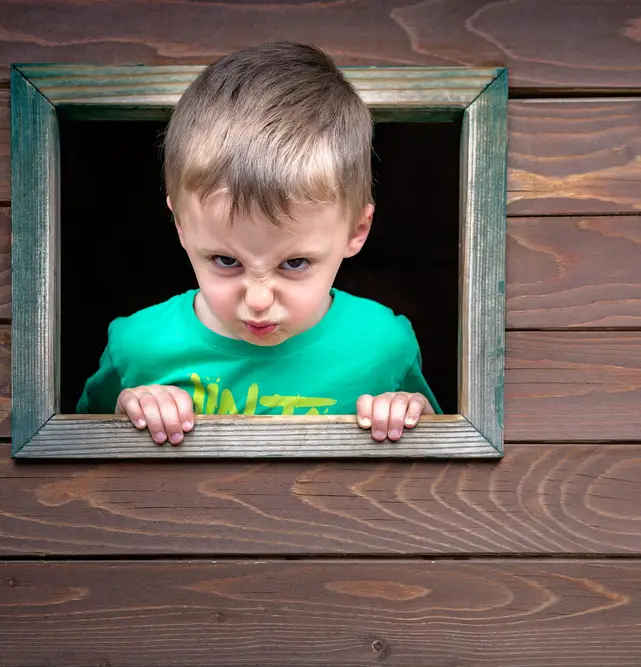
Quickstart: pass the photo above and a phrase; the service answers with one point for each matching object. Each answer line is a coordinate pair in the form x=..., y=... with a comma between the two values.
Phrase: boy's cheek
x=220, y=301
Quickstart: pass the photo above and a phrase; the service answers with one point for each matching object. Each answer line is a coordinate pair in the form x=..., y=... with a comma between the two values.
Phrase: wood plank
x=561, y=272
x=35, y=231
x=574, y=156
x=573, y=386
x=540, y=499
x=565, y=386
x=567, y=156
x=5, y=263
x=417, y=90
x=546, y=44
x=5, y=380
x=599, y=167
x=574, y=272
x=580, y=157
x=482, y=244
x=5, y=143
x=400, y=613
x=267, y=436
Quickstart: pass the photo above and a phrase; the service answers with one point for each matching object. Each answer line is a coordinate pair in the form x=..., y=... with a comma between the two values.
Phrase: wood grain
x=417, y=90
x=573, y=386
x=271, y=436
x=560, y=386
x=5, y=380
x=561, y=271
x=591, y=44
x=540, y=499
x=5, y=263
x=574, y=156
x=35, y=231
x=5, y=143
x=481, y=323
x=574, y=272
x=567, y=156
x=399, y=613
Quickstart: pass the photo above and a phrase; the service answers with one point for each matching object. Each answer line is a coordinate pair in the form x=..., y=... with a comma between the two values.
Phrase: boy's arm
x=415, y=383
x=389, y=413
x=101, y=389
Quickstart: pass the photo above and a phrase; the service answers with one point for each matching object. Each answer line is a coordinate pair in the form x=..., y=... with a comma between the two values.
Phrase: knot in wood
x=10, y=582
x=378, y=646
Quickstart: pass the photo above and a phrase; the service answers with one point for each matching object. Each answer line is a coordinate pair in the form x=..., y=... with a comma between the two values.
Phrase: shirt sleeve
x=414, y=382
x=101, y=389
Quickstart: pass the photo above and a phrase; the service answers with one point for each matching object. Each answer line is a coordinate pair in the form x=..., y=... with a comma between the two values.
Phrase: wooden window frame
x=40, y=93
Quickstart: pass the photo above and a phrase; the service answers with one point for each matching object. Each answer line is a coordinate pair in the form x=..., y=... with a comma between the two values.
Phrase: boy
x=267, y=170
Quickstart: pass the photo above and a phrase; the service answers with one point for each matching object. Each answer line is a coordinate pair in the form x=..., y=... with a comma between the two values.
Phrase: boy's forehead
x=213, y=215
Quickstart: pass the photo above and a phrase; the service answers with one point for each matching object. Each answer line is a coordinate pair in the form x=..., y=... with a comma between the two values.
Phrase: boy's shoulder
x=372, y=323
x=145, y=325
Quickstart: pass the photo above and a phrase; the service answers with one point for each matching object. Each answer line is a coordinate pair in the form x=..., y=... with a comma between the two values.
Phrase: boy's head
x=272, y=144
x=271, y=126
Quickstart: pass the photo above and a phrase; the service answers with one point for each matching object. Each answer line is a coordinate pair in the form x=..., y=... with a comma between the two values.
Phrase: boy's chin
x=267, y=340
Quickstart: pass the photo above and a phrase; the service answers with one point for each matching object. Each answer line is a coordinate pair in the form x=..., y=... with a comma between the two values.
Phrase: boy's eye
x=225, y=262
x=296, y=264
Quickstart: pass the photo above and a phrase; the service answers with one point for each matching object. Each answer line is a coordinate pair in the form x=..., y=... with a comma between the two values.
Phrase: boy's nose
x=259, y=298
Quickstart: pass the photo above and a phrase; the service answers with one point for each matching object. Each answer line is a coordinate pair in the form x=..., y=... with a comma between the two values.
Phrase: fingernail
x=394, y=433
x=410, y=421
x=176, y=438
x=187, y=426
x=365, y=422
x=140, y=423
x=379, y=435
x=160, y=437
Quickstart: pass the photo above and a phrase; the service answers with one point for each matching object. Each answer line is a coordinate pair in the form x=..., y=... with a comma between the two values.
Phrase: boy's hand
x=167, y=411
x=387, y=414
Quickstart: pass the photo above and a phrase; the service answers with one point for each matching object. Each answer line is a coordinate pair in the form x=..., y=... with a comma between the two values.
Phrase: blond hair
x=271, y=126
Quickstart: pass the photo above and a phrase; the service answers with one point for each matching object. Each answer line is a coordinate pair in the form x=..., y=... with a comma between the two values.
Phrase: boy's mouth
x=260, y=329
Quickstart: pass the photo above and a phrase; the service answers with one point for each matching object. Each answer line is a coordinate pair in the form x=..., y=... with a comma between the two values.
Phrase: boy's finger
x=151, y=411
x=417, y=406
x=185, y=407
x=128, y=405
x=170, y=417
x=380, y=416
x=397, y=414
x=364, y=410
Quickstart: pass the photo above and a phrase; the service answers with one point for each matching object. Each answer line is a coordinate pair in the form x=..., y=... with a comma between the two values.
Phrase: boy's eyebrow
x=290, y=254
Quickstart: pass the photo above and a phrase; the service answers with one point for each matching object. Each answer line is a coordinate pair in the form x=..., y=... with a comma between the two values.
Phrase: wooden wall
x=532, y=561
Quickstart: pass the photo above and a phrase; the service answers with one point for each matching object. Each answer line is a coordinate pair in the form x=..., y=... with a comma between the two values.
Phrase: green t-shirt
x=359, y=347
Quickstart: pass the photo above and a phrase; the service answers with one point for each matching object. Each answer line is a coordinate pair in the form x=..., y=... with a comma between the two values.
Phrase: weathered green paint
x=219, y=436
x=411, y=94
x=144, y=86
x=483, y=232
x=34, y=254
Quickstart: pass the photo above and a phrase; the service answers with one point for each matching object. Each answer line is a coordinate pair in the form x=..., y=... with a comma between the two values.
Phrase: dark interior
x=120, y=251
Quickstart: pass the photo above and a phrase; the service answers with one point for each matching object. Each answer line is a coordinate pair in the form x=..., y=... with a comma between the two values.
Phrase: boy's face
x=262, y=283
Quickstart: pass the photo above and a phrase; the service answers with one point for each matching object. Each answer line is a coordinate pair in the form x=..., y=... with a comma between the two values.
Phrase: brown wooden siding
x=541, y=499
x=240, y=613
x=195, y=563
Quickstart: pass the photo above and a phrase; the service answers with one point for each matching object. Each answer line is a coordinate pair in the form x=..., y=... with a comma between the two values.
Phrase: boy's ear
x=179, y=229
x=359, y=234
